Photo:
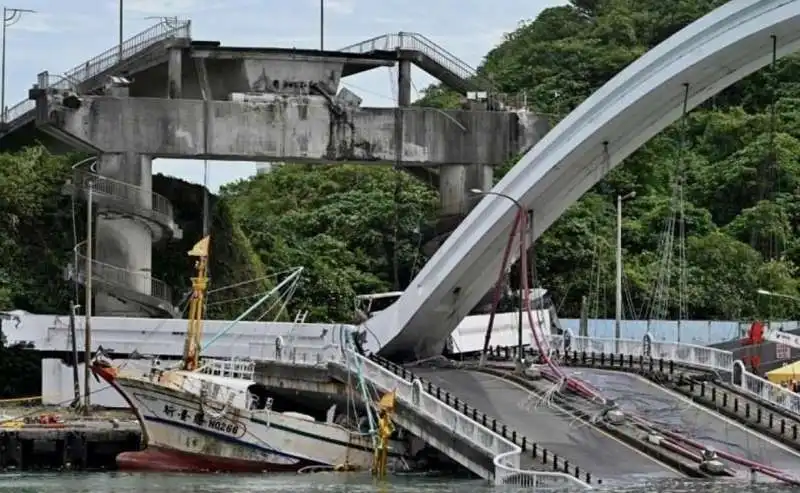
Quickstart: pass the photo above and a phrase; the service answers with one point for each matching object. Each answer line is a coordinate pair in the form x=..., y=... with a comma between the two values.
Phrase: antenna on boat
x=191, y=348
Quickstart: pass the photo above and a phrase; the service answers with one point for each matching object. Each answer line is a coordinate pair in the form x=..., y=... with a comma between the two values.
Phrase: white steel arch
x=709, y=55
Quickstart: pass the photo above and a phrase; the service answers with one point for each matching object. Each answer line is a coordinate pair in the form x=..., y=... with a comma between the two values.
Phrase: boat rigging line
x=289, y=279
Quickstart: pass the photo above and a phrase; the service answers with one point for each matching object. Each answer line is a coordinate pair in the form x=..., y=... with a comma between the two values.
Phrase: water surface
x=116, y=482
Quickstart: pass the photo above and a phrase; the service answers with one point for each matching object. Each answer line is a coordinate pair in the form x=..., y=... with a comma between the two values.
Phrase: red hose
x=498, y=287
x=762, y=468
x=572, y=384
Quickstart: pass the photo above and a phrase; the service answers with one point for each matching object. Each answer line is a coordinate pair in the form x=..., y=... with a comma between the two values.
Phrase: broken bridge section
x=299, y=128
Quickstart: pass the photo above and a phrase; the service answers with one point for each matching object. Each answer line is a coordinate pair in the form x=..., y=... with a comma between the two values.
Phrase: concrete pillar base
x=455, y=183
x=124, y=244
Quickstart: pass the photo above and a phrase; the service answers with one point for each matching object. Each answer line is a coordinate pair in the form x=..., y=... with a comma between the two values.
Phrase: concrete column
x=175, y=73
x=404, y=83
x=455, y=183
x=122, y=241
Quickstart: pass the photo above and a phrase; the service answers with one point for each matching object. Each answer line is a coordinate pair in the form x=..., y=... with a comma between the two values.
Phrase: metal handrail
x=417, y=42
x=232, y=368
x=769, y=391
x=94, y=66
x=141, y=282
x=507, y=451
x=132, y=194
x=681, y=353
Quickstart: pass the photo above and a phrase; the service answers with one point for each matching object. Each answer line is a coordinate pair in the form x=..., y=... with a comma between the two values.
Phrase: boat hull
x=159, y=459
x=183, y=433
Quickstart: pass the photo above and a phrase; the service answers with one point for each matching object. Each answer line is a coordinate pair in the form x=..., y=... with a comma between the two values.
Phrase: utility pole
x=522, y=215
x=87, y=331
x=74, y=343
x=121, y=18
x=583, y=328
x=618, y=318
x=10, y=17
x=321, y=25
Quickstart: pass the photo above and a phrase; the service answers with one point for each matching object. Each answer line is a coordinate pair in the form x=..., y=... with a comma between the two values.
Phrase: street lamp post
x=777, y=295
x=10, y=17
x=121, y=18
x=521, y=210
x=321, y=25
x=618, y=305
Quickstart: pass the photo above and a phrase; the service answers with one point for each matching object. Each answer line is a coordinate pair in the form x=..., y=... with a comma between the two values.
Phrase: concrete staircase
x=123, y=199
x=92, y=71
x=428, y=56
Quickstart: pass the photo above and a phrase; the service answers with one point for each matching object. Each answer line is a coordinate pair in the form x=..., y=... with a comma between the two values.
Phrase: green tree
x=348, y=226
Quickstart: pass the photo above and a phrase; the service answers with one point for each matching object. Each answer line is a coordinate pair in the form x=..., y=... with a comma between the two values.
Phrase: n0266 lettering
x=219, y=425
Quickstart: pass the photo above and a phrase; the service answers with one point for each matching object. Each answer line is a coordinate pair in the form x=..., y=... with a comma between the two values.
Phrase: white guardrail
x=766, y=390
x=506, y=453
x=687, y=354
x=690, y=355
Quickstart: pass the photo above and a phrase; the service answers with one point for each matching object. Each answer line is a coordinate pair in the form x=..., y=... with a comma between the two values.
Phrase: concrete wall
x=262, y=73
x=58, y=387
x=301, y=128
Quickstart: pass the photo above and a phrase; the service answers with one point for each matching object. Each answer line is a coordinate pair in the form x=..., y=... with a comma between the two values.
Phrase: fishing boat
x=212, y=416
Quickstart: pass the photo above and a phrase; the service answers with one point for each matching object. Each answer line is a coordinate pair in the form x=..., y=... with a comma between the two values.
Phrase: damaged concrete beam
x=296, y=128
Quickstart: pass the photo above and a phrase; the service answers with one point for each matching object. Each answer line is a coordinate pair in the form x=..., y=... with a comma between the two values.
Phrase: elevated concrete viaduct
x=170, y=96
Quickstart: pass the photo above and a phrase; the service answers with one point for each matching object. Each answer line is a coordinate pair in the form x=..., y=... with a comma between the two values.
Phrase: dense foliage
x=342, y=223
x=739, y=168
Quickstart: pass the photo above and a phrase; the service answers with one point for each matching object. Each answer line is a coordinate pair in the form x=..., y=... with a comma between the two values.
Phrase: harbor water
x=115, y=482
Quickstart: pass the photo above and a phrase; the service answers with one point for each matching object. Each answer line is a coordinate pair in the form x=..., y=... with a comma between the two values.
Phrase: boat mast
x=191, y=348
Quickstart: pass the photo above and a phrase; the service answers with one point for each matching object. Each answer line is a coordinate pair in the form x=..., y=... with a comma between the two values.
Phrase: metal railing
x=244, y=369
x=140, y=282
x=417, y=42
x=468, y=423
x=294, y=354
x=687, y=354
x=770, y=392
x=461, y=419
x=95, y=66
x=134, y=195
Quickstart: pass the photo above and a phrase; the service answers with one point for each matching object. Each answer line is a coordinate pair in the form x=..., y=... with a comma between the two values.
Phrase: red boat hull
x=169, y=460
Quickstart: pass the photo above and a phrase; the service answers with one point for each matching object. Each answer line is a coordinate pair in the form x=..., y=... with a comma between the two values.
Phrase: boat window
x=257, y=397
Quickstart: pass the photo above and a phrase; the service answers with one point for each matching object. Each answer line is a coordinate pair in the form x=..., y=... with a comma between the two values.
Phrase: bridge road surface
x=683, y=416
x=588, y=448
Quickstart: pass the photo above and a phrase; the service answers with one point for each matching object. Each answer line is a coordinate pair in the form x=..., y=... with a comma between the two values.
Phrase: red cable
x=498, y=287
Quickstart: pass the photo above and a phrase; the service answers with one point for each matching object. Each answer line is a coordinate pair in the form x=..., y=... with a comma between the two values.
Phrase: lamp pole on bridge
x=520, y=210
x=10, y=17
x=777, y=295
x=321, y=25
x=618, y=304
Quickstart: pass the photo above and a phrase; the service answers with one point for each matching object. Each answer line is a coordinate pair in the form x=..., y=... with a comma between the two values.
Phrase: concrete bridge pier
x=455, y=183
x=123, y=243
x=175, y=73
